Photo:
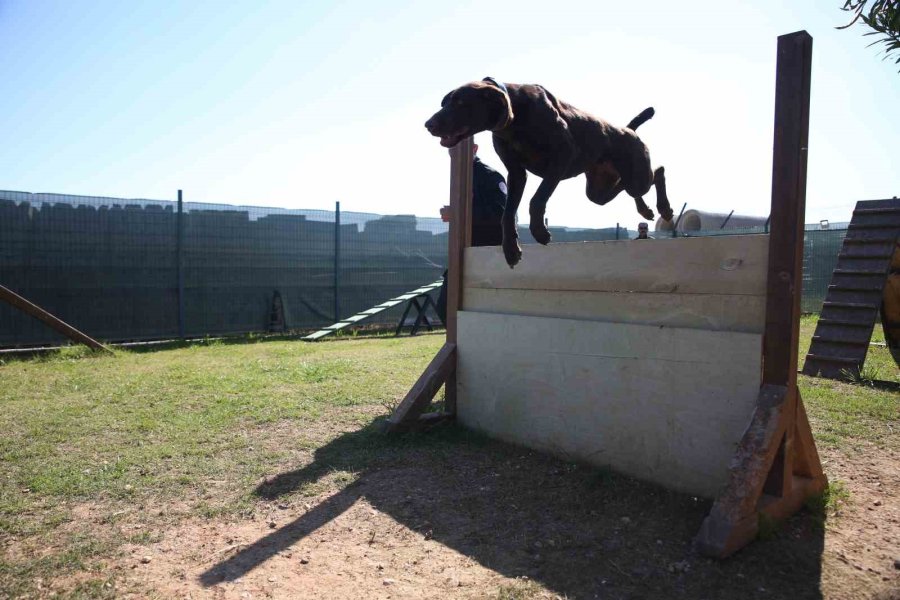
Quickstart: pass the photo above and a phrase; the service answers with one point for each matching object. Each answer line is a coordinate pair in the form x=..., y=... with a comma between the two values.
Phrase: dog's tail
x=642, y=118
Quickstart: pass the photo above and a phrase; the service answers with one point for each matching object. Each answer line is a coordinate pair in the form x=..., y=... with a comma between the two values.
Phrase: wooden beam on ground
x=52, y=321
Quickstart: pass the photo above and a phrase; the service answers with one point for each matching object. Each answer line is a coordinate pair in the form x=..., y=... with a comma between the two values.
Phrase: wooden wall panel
x=663, y=404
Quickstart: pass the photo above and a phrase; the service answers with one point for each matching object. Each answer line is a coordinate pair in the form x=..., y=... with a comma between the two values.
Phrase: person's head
x=643, y=229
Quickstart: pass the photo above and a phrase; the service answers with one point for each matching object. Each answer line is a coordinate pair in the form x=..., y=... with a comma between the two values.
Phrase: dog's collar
x=498, y=84
x=502, y=87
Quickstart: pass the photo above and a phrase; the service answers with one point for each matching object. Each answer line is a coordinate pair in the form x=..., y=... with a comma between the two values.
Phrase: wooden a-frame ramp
x=857, y=291
x=775, y=466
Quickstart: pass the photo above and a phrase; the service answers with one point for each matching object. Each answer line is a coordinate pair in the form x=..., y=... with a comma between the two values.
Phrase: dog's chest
x=544, y=155
x=534, y=156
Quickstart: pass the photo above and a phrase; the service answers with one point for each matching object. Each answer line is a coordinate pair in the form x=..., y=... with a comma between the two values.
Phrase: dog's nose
x=429, y=124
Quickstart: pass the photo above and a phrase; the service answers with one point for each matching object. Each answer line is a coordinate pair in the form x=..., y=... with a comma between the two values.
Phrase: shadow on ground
x=580, y=531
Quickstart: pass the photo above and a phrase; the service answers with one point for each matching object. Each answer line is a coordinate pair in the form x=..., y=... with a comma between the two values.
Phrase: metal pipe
x=722, y=226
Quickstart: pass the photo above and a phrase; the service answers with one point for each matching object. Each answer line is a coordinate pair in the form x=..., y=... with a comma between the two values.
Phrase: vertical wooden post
x=763, y=476
x=442, y=368
x=179, y=245
x=461, y=157
x=785, y=281
x=789, y=155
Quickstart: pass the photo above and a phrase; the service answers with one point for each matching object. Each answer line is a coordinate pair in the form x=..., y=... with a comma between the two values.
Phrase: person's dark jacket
x=488, y=202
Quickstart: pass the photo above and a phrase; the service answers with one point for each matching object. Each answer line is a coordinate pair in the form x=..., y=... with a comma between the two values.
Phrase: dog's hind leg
x=662, y=199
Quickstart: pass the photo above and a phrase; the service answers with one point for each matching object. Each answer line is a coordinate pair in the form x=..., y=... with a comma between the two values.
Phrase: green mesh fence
x=136, y=269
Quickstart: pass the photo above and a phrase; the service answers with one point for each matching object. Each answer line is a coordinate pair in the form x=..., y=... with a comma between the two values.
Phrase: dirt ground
x=487, y=520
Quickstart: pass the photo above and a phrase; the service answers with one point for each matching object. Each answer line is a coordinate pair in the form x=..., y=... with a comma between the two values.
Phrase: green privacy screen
x=110, y=266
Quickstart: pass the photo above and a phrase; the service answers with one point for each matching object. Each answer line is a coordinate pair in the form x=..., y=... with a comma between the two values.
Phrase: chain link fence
x=138, y=269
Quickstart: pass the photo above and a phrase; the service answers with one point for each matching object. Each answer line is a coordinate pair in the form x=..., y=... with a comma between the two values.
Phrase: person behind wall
x=643, y=232
x=488, y=202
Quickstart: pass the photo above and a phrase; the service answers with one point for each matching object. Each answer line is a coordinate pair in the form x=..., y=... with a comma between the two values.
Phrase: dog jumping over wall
x=534, y=131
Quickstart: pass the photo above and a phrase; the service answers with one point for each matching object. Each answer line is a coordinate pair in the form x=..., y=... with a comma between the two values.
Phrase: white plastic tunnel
x=698, y=220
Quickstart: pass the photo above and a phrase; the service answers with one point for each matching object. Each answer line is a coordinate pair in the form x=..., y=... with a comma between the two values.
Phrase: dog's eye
x=458, y=102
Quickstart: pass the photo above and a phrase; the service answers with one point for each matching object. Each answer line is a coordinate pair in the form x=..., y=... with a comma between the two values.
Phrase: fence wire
x=138, y=269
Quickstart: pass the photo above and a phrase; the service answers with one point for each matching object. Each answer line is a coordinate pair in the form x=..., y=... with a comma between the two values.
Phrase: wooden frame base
x=776, y=466
x=410, y=413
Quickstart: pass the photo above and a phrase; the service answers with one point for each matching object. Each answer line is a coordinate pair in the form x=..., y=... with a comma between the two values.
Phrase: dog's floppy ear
x=500, y=105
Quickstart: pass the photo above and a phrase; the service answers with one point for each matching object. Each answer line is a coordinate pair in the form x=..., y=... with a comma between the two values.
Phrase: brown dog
x=534, y=131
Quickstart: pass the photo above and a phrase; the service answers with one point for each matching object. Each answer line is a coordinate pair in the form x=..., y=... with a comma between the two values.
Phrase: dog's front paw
x=512, y=252
x=667, y=215
x=646, y=213
x=540, y=234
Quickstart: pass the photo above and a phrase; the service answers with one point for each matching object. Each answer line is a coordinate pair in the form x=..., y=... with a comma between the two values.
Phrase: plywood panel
x=666, y=405
x=732, y=265
x=698, y=311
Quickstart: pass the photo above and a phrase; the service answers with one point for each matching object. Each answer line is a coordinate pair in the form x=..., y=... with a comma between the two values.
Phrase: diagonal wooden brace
x=409, y=411
x=733, y=521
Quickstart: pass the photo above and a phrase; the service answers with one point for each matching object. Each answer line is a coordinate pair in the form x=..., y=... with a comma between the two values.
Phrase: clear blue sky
x=299, y=104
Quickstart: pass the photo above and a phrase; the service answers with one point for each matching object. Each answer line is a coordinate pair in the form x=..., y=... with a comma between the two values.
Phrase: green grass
x=522, y=589
x=193, y=422
x=195, y=428
x=112, y=425
x=845, y=413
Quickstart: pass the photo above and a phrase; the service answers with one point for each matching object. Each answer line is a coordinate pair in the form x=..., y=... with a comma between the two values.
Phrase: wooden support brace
x=417, y=399
x=52, y=321
x=734, y=519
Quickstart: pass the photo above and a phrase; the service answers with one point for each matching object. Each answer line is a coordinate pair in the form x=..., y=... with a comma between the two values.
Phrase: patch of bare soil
x=862, y=545
x=489, y=520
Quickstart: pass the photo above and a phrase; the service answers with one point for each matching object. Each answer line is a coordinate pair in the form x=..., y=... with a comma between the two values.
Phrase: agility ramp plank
x=371, y=312
x=858, y=292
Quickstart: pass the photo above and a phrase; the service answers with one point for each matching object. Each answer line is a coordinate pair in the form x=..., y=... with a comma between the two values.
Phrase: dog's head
x=474, y=107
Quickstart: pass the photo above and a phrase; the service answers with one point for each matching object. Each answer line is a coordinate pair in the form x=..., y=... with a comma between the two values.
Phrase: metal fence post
x=617, y=231
x=180, y=262
x=337, y=260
